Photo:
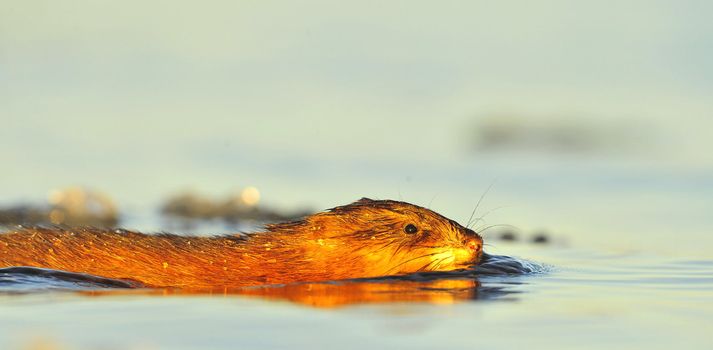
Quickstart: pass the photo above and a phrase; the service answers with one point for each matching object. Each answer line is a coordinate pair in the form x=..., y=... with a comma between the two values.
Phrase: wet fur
x=362, y=239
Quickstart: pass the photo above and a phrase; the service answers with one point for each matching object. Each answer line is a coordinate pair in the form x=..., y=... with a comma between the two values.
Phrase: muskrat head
x=385, y=237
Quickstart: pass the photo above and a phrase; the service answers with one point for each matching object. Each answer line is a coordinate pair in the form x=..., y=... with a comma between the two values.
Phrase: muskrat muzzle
x=474, y=244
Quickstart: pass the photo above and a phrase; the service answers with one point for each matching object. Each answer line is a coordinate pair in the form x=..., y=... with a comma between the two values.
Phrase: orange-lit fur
x=362, y=239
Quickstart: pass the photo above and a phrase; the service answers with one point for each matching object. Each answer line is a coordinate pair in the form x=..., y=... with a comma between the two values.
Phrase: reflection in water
x=446, y=291
x=428, y=287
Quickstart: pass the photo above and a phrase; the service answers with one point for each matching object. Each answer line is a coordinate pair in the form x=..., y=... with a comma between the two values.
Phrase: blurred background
x=590, y=121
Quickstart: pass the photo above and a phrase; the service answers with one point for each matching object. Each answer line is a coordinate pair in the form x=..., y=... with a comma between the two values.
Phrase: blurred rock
x=191, y=206
x=72, y=206
x=558, y=136
x=236, y=208
x=508, y=236
x=23, y=214
x=540, y=238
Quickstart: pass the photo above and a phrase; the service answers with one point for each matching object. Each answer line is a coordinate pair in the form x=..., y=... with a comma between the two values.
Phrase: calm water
x=572, y=298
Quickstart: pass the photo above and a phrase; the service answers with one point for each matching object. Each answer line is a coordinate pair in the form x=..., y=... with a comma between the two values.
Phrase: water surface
x=571, y=298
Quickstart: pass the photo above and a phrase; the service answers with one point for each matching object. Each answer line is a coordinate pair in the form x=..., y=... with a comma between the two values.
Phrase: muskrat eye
x=410, y=228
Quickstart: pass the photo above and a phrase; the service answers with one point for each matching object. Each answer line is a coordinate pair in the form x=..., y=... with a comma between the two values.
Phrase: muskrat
x=367, y=238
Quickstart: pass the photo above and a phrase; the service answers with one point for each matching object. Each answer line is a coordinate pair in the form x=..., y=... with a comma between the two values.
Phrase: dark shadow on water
x=495, y=278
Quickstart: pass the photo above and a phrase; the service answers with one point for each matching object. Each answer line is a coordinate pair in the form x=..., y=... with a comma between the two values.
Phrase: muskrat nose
x=475, y=245
x=473, y=241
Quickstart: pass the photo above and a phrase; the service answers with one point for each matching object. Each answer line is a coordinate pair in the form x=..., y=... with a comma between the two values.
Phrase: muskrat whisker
x=433, y=262
x=425, y=267
x=439, y=262
x=429, y=246
x=412, y=259
x=478, y=203
x=482, y=217
x=384, y=246
x=498, y=225
x=431, y=201
x=398, y=249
